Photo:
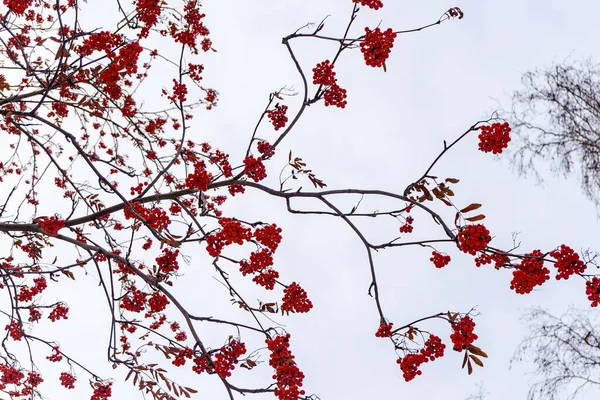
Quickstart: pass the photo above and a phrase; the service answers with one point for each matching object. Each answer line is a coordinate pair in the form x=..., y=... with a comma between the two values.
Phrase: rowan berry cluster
x=289, y=378
x=134, y=301
x=10, y=376
x=156, y=217
x=56, y=356
x=148, y=12
x=27, y=293
x=67, y=380
x=567, y=262
x=409, y=365
x=385, y=330
x=157, y=303
x=278, y=117
x=263, y=147
x=254, y=168
x=60, y=311
x=260, y=262
x=228, y=356
x=167, y=262
x=530, y=273
x=473, y=238
x=592, y=290
x=192, y=29
x=222, y=160
x=433, y=348
x=494, y=138
x=377, y=45
x=18, y=6
x=102, y=391
x=233, y=189
x=335, y=96
x=269, y=236
x=374, y=4
x=14, y=330
x=498, y=259
x=231, y=231
x=439, y=260
x=181, y=356
x=266, y=278
x=295, y=299
x=51, y=225
x=407, y=227
x=463, y=334
x=200, y=178
x=323, y=74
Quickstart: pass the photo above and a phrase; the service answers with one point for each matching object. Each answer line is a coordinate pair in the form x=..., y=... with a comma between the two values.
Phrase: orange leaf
x=470, y=207
x=476, y=218
x=476, y=360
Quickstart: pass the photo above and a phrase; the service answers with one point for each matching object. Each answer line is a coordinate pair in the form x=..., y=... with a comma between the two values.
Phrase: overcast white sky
x=439, y=82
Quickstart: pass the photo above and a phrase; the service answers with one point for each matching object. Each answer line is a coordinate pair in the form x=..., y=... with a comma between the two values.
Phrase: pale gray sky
x=439, y=82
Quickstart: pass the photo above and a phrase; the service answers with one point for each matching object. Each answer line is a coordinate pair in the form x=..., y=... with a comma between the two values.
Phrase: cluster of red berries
x=27, y=293
x=156, y=217
x=323, y=74
x=222, y=160
x=289, y=377
x=14, y=330
x=56, y=356
x=260, y=262
x=18, y=6
x=473, y=238
x=229, y=355
x=263, y=147
x=269, y=236
x=278, y=117
x=494, y=138
x=67, y=380
x=200, y=178
x=407, y=227
x=266, y=278
x=51, y=225
x=254, y=168
x=530, y=273
x=233, y=189
x=333, y=95
x=592, y=290
x=232, y=231
x=167, y=262
x=134, y=301
x=10, y=375
x=433, y=348
x=377, y=45
x=385, y=330
x=439, y=260
x=157, y=303
x=295, y=299
x=567, y=262
x=102, y=391
x=60, y=311
x=410, y=364
x=374, y=4
x=182, y=355
x=192, y=29
x=497, y=258
x=463, y=334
